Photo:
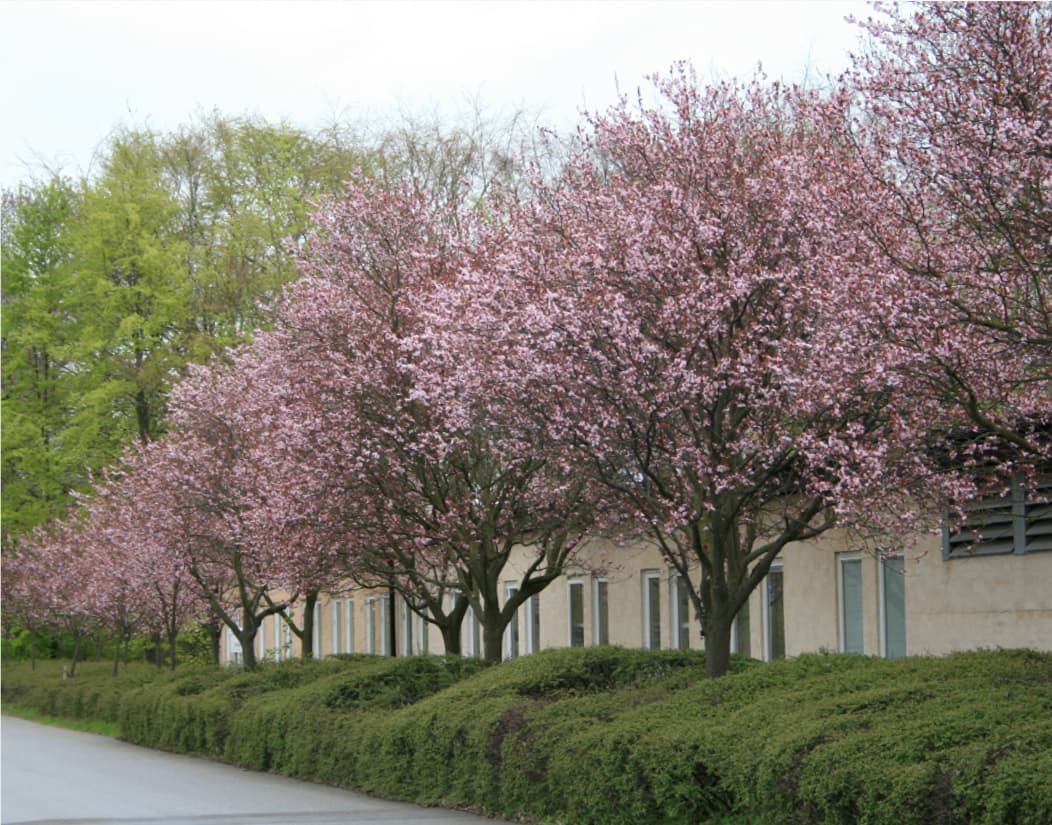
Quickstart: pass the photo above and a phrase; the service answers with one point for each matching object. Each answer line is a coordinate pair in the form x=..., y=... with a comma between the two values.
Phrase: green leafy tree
x=38, y=469
x=128, y=301
x=113, y=284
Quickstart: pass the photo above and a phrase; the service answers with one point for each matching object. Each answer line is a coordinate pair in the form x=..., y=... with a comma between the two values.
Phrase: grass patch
x=84, y=725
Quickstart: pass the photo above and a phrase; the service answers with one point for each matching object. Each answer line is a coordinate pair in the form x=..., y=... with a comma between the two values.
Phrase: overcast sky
x=74, y=71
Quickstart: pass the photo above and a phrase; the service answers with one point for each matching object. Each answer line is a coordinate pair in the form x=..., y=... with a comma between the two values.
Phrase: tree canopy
x=732, y=320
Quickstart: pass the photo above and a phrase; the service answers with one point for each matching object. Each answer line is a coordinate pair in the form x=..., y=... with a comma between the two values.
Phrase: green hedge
x=604, y=735
x=93, y=694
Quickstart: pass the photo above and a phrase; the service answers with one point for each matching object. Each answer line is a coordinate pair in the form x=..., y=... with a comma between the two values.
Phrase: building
x=955, y=592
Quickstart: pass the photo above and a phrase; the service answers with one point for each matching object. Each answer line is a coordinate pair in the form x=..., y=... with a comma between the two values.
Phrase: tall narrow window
x=775, y=613
x=233, y=649
x=407, y=629
x=421, y=634
x=576, y=593
x=741, y=632
x=893, y=607
x=316, y=633
x=511, y=632
x=286, y=635
x=850, y=591
x=370, y=625
x=533, y=620
x=278, y=623
x=336, y=606
x=348, y=645
x=652, y=610
x=681, y=606
x=261, y=641
x=601, y=612
x=386, y=642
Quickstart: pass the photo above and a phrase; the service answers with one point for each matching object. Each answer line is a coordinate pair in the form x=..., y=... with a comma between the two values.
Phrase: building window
x=511, y=632
x=233, y=648
x=286, y=634
x=278, y=622
x=600, y=612
x=775, y=613
x=407, y=629
x=261, y=641
x=348, y=644
x=681, y=611
x=316, y=632
x=533, y=619
x=421, y=633
x=576, y=592
x=893, y=607
x=652, y=610
x=370, y=625
x=1018, y=523
x=337, y=626
x=741, y=632
x=849, y=591
x=385, y=617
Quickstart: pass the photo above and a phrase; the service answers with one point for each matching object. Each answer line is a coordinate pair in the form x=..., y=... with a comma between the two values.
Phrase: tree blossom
x=702, y=316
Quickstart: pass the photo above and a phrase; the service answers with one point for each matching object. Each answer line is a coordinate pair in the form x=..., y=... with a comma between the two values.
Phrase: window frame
x=842, y=559
x=575, y=584
x=768, y=635
x=600, y=611
x=883, y=605
x=651, y=612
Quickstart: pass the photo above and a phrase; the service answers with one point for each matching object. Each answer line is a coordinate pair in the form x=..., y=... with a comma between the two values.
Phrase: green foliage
x=603, y=735
x=112, y=284
x=93, y=694
x=35, y=268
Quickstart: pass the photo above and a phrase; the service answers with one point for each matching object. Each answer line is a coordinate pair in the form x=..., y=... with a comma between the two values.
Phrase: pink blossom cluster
x=737, y=318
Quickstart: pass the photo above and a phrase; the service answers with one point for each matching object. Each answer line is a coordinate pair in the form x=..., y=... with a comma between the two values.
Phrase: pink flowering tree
x=44, y=577
x=434, y=486
x=707, y=324
x=954, y=106
x=289, y=516
x=203, y=482
x=132, y=566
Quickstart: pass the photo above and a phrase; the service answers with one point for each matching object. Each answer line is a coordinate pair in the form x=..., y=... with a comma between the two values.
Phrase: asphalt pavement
x=62, y=777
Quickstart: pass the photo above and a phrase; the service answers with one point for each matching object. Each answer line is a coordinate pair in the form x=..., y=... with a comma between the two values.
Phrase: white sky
x=73, y=71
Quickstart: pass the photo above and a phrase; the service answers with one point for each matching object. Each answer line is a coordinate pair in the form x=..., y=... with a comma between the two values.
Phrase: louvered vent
x=1018, y=523
x=1039, y=519
x=988, y=529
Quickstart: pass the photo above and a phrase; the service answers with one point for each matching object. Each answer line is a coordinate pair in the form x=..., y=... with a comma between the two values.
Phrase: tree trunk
x=307, y=635
x=717, y=646
x=173, y=632
x=451, y=638
x=116, y=657
x=452, y=626
x=76, y=655
x=492, y=640
x=213, y=629
x=247, y=638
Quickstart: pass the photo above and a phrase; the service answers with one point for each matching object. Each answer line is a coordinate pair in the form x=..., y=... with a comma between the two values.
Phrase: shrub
x=603, y=735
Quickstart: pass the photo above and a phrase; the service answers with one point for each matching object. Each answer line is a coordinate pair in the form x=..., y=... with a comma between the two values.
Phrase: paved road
x=57, y=776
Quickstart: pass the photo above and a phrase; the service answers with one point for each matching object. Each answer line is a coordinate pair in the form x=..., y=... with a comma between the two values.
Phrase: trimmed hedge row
x=605, y=735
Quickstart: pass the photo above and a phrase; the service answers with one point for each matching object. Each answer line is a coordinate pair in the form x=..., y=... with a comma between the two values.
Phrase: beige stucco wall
x=987, y=601
x=992, y=601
